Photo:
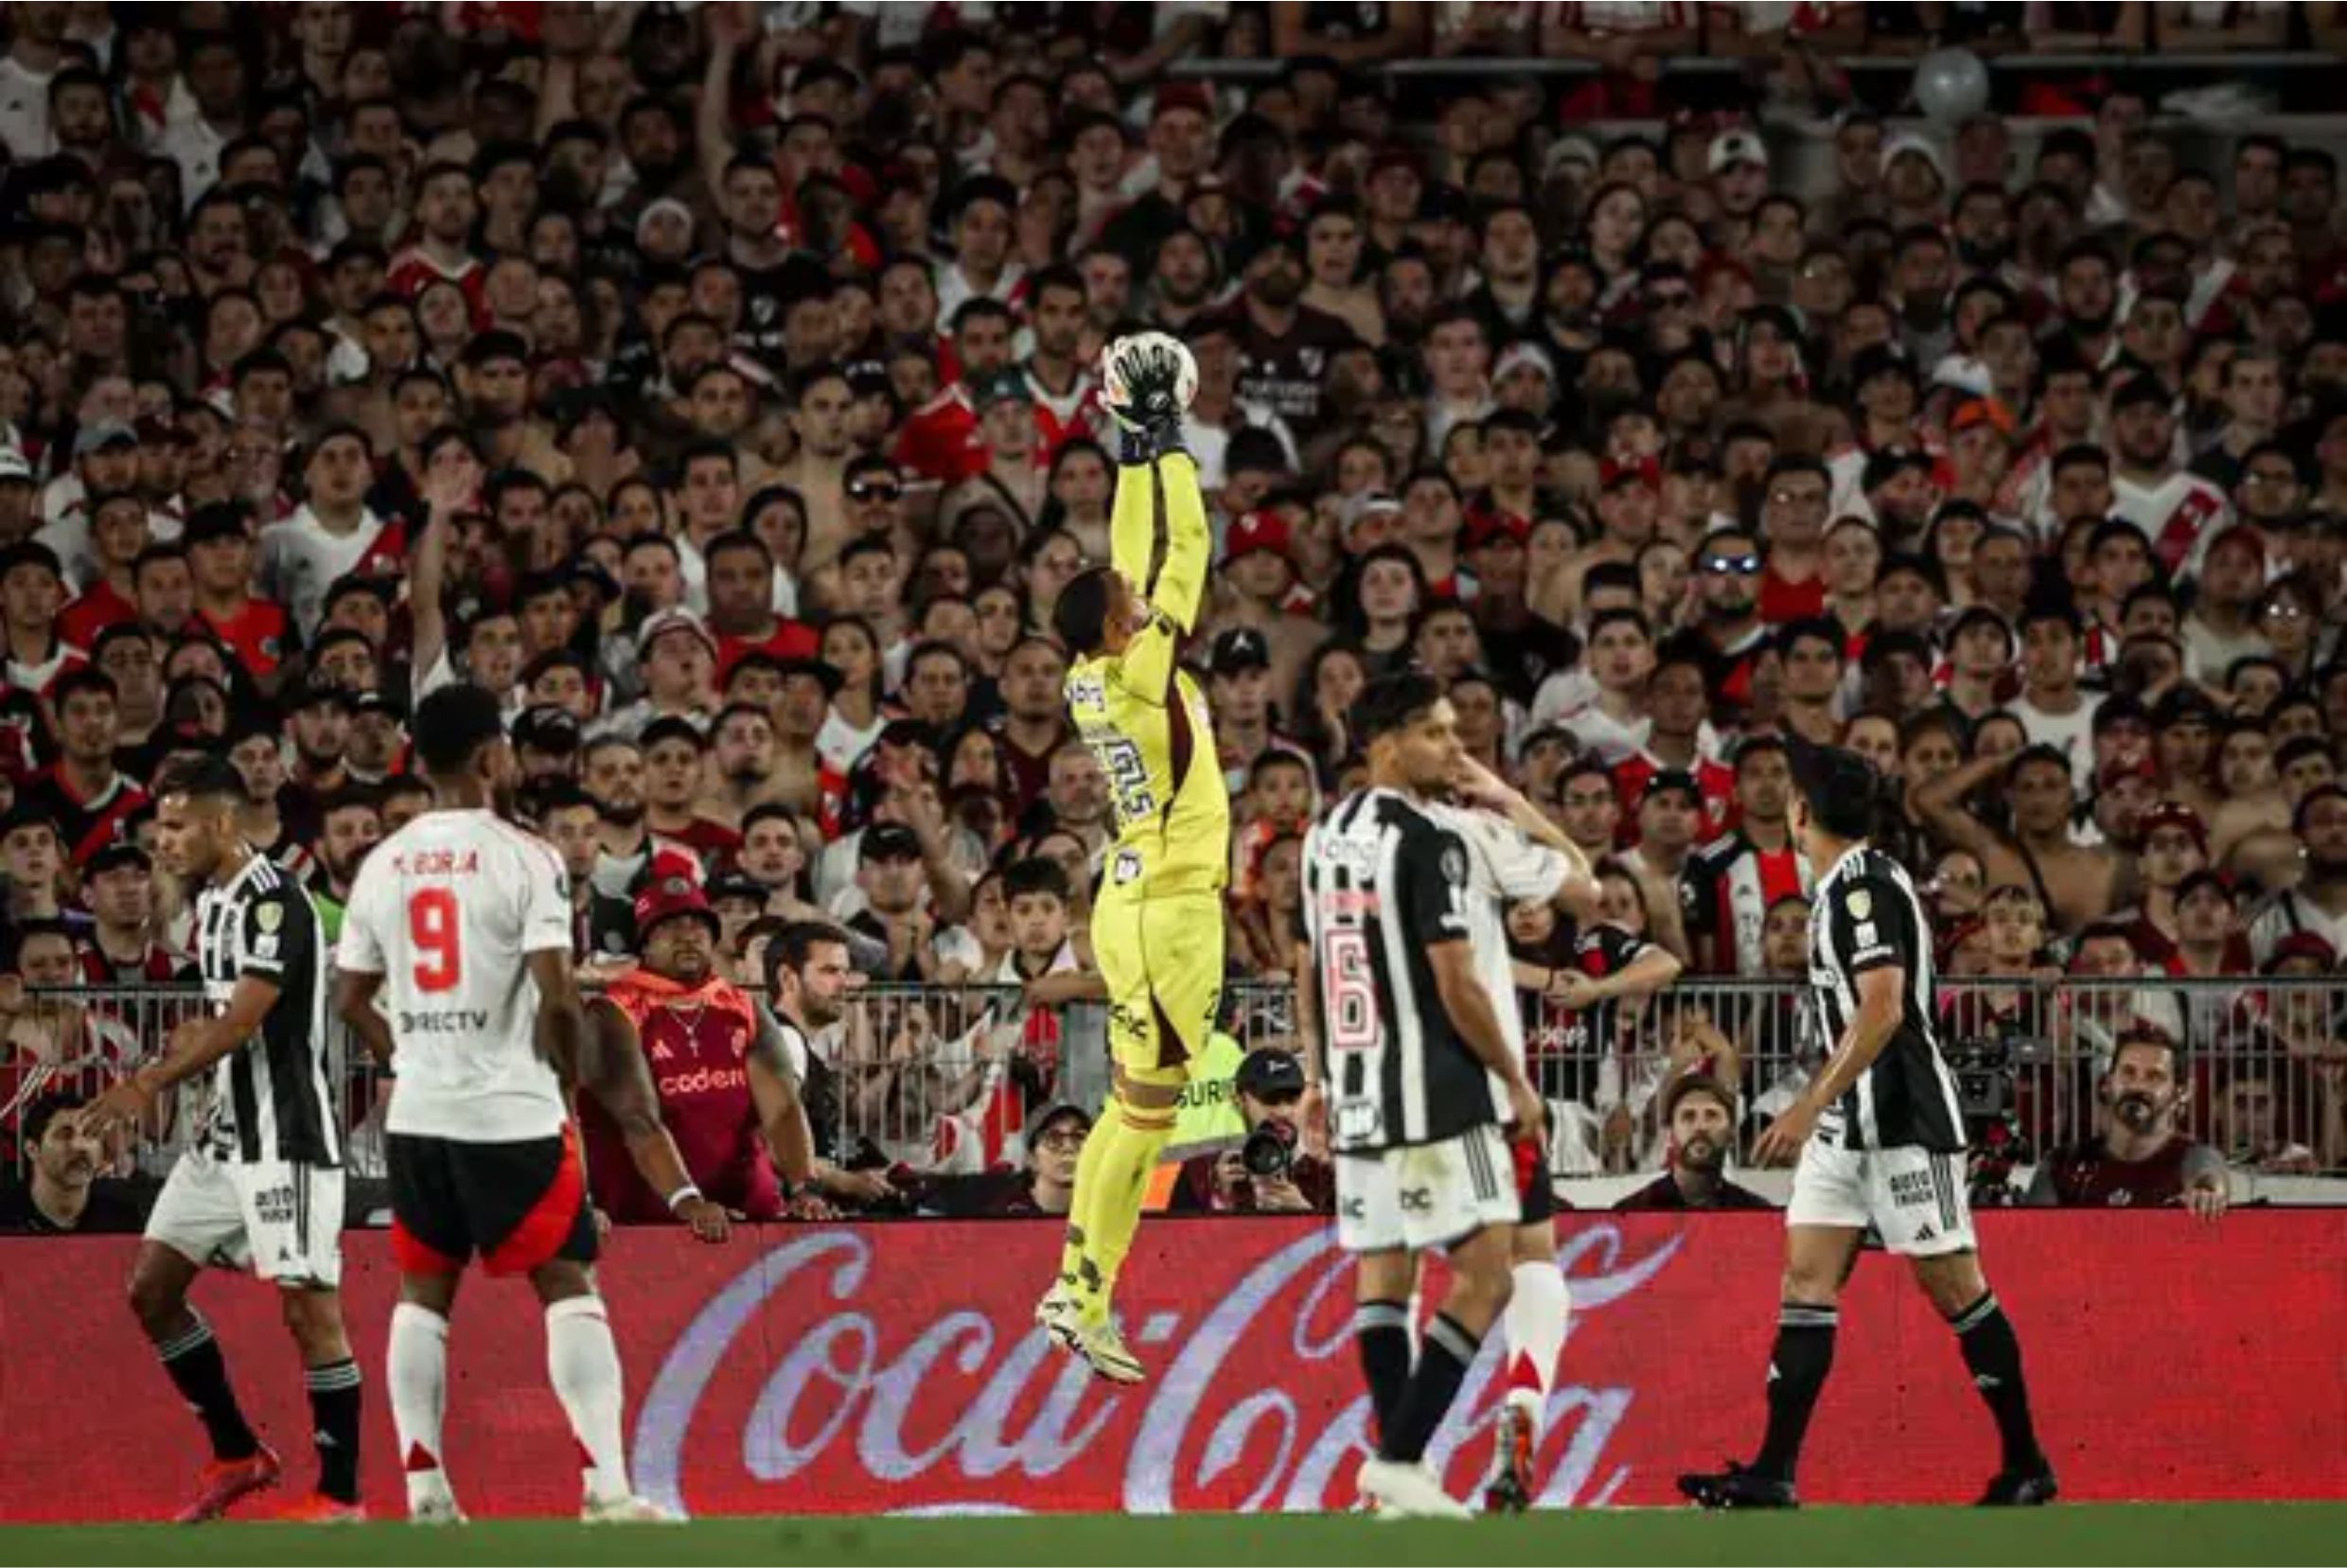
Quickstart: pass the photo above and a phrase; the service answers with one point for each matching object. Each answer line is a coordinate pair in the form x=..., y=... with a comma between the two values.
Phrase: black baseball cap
x=377, y=702
x=1240, y=648
x=887, y=841
x=318, y=694
x=737, y=885
x=119, y=853
x=1674, y=778
x=547, y=728
x=1268, y=1074
x=1057, y=1111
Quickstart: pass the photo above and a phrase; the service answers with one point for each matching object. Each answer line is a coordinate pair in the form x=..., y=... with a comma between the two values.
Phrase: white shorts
x=1426, y=1195
x=281, y=1220
x=1912, y=1198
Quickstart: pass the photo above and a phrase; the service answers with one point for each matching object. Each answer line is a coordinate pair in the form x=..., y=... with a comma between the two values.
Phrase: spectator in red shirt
x=2141, y=1158
x=442, y=250
x=84, y=793
x=727, y=1089
x=122, y=947
x=741, y=604
x=118, y=536
x=674, y=753
x=221, y=551
x=1796, y=496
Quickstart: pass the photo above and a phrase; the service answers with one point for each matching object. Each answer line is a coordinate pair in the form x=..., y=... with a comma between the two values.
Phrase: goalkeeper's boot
x=225, y=1481
x=1510, y=1489
x=626, y=1510
x=1140, y=382
x=1057, y=1312
x=2032, y=1488
x=1102, y=1344
x=1398, y=1490
x=1739, y=1487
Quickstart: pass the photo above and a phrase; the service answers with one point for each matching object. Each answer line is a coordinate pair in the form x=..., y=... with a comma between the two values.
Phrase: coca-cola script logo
x=842, y=1383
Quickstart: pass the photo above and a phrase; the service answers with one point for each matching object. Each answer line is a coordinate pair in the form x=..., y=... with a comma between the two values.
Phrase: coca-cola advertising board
x=896, y=1368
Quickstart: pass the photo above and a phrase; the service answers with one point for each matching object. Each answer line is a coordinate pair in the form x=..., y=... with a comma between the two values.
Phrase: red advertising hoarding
x=872, y=1368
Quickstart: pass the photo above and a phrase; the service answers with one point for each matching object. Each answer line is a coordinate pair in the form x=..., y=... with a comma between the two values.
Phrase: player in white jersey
x=462, y=923
x=1516, y=855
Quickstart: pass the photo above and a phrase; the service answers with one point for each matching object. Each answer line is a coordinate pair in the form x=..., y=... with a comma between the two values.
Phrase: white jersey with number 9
x=448, y=910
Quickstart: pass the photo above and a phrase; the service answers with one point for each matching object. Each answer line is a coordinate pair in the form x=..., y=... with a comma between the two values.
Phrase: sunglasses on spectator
x=876, y=489
x=1739, y=566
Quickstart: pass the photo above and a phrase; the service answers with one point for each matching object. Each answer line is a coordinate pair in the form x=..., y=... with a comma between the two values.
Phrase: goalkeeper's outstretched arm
x=1180, y=586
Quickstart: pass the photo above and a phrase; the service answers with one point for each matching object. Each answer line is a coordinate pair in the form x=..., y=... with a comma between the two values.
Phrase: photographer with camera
x=2140, y=1158
x=1267, y=1174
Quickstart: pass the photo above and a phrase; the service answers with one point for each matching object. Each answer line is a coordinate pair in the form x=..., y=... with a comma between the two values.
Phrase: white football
x=1185, y=382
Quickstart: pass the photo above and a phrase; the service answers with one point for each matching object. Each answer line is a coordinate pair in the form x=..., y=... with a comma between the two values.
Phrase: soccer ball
x=1124, y=351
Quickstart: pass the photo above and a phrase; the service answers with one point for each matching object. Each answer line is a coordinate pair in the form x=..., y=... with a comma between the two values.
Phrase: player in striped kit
x=262, y=1185
x=1880, y=1137
x=1418, y=1078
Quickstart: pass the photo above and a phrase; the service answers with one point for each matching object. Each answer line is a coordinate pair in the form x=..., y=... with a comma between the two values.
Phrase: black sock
x=1797, y=1368
x=334, y=1423
x=200, y=1373
x=1992, y=1352
x=1443, y=1357
x=1381, y=1329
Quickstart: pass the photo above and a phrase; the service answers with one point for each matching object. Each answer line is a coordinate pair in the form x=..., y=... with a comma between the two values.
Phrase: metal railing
x=935, y=1079
x=941, y=1079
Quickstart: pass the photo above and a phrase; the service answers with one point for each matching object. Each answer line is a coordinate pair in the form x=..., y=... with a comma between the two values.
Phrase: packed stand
x=716, y=387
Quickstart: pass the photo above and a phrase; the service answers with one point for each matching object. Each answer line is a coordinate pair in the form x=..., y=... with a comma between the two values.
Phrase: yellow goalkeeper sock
x=1072, y=1270
x=1110, y=1203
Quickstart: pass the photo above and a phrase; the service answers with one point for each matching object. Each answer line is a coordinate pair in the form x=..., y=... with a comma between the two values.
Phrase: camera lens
x=1269, y=1150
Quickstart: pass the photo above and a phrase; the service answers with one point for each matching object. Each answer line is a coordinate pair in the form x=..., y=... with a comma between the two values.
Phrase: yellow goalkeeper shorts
x=1162, y=958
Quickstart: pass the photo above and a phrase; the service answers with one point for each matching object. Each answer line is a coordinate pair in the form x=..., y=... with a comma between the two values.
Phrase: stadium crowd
x=716, y=386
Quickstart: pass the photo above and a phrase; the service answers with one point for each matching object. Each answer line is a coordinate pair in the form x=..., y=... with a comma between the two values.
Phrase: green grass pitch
x=2261, y=1533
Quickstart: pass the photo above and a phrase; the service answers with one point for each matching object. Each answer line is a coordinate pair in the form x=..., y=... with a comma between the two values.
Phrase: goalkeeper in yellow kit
x=1157, y=919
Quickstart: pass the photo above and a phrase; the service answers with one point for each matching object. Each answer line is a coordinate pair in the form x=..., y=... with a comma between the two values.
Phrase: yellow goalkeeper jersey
x=1143, y=716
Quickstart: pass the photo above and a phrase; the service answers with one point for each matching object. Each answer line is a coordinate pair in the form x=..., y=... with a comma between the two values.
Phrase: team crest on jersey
x=268, y=916
x=1860, y=904
x=1454, y=864
x=1128, y=866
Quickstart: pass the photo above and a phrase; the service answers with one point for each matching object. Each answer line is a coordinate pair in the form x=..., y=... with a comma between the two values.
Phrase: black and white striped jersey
x=272, y=1098
x=1867, y=916
x=1384, y=883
